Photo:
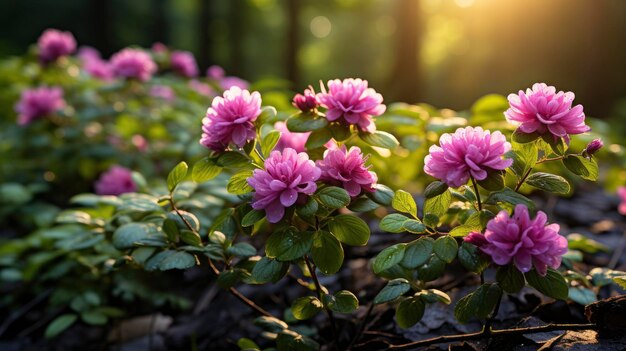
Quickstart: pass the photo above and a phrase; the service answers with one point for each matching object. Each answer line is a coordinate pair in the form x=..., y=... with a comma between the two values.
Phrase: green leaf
x=509, y=196
x=582, y=295
x=363, y=204
x=171, y=230
x=309, y=209
x=524, y=158
x=238, y=183
x=334, y=197
x=438, y=205
x=243, y=250
x=523, y=138
x=270, y=324
x=268, y=113
x=432, y=270
x=417, y=252
x=252, y=217
x=393, y=223
x=382, y=195
x=269, y=270
x=269, y=142
x=446, y=248
x=176, y=175
x=409, y=312
x=380, y=139
x=471, y=259
x=389, y=257
x=349, y=229
x=94, y=317
x=493, y=182
x=247, y=344
x=394, y=289
x=586, y=168
x=229, y=278
x=549, y=182
x=342, y=301
x=404, y=202
x=306, y=307
x=288, y=340
x=59, y=325
x=177, y=260
x=326, y=252
x=289, y=244
x=191, y=238
x=205, y=170
x=434, y=189
x=552, y=285
x=233, y=159
x=510, y=278
x=414, y=226
x=318, y=138
x=478, y=304
x=434, y=295
x=306, y=122
x=557, y=145
x=129, y=234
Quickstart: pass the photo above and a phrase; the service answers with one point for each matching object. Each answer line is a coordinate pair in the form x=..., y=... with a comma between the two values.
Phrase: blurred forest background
x=445, y=52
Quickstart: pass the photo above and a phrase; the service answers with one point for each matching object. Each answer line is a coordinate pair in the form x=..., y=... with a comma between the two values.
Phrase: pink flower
x=163, y=92
x=38, y=103
x=523, y=241
x=117, y=180
x=347, y=169
x=543, y=110
x=352, y=101
x=289, y=139
x=54, y=43
x=230, y=119
x=184, y=64
x=288, y=178
x=215, y=72
x=133, y=63
x=306, y=102
x=201, y=88
x=621, y=191
x=469, y=152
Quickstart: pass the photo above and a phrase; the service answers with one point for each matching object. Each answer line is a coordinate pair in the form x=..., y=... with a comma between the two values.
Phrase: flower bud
x=594, y=146
x=306, y=102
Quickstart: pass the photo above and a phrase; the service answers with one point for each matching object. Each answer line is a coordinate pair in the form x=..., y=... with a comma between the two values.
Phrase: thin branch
x=486, y=333
x=523, y=179
x=361, y=326
x=480, y=205
x=320, y=293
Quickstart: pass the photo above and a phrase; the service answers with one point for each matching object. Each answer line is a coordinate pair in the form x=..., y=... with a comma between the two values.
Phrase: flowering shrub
x=278, y=193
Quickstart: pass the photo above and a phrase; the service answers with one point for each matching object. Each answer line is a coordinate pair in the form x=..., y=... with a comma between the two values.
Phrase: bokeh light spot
x=320, y=26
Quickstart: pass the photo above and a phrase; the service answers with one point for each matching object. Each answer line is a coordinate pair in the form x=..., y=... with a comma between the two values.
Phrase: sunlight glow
x=320, y=26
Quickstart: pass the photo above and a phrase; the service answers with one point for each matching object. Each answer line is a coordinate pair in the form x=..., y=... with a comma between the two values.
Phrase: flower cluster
x=54, y=43
x=346, y=168
x=543, y=110
x=117, y=180
x=37, y=103
x=469, y=152
x=226, y=82
x=184, y=64
x=230, y=119
x=352, y=102
x=521, y=240
x=288, y=177
x=133, y=63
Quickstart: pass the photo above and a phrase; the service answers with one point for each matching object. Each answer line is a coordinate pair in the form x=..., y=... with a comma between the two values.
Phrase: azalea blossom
x=288, y=177
x=523, y=241
x=469, y=152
